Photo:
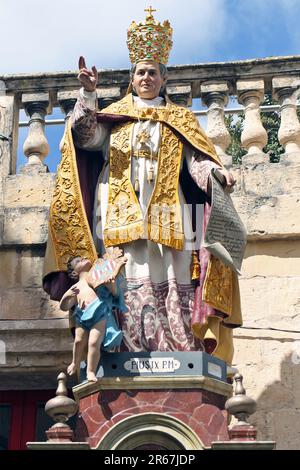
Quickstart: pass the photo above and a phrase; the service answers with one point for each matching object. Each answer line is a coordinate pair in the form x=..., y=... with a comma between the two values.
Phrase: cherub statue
x=95, y=294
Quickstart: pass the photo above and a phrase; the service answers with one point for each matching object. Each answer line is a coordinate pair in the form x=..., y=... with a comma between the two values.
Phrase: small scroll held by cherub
x=107, y=268
x=96, y=293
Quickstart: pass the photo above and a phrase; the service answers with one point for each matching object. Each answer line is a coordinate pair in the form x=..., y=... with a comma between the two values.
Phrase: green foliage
x=270, y=121
x=235, y=125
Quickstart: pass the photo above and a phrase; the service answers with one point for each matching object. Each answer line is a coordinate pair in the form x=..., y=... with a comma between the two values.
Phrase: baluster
x=107, y=96
x=215, y=97
x=285, y=90
x=36, y=146
x=180, y=94
x=66, y=101
x=254, y=136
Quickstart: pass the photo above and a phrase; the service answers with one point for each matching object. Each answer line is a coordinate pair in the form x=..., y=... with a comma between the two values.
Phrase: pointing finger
x=81, y=63
x=95, y=72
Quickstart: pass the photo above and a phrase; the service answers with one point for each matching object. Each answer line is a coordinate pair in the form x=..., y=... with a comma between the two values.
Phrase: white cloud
x=49, y=36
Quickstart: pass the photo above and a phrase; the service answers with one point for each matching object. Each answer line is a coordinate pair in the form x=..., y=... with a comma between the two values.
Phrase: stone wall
x=267, y=348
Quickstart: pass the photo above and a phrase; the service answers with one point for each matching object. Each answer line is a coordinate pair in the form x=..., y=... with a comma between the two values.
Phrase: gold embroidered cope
x=180, y=119
x=69, y=232
x=217, y=287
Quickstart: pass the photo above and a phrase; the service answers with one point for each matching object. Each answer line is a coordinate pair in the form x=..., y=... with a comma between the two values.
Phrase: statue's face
x=147, y=80
x=81, y=264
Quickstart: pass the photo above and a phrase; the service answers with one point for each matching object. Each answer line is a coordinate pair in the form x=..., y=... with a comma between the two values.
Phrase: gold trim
x=144, y=154
x=195, y=266
x=217, y=287
x=68, y=225
x=164, y=210
x=124, y=218
x=178, y=118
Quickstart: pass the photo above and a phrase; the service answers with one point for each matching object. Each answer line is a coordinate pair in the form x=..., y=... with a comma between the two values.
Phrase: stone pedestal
x=242, y=434
x=243, y=437
x=149, y=408
x=60, y=436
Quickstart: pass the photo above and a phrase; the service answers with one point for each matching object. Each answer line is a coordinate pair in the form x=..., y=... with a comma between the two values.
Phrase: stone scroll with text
x=225, y=236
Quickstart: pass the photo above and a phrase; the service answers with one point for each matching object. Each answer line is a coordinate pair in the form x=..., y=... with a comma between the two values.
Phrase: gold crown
x=149, y=40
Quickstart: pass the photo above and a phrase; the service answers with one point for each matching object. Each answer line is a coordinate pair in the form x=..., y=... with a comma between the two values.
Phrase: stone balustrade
x=214, y=83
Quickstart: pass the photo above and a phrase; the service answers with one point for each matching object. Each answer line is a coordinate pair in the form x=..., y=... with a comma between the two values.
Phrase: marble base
x=168, y=413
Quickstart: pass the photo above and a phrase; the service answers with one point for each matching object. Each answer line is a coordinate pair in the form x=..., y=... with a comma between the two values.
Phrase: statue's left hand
x=229, y=179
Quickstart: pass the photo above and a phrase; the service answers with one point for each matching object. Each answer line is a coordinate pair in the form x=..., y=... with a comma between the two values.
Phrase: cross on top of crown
x=149, y=10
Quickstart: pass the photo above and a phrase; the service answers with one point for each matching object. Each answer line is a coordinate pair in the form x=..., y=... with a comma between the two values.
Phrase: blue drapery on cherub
x=102, y=309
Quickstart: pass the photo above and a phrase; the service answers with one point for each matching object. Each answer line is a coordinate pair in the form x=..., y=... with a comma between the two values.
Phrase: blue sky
x=49, y=36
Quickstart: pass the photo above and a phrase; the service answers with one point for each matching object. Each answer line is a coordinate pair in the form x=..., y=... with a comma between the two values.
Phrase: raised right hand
x=87, y=78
